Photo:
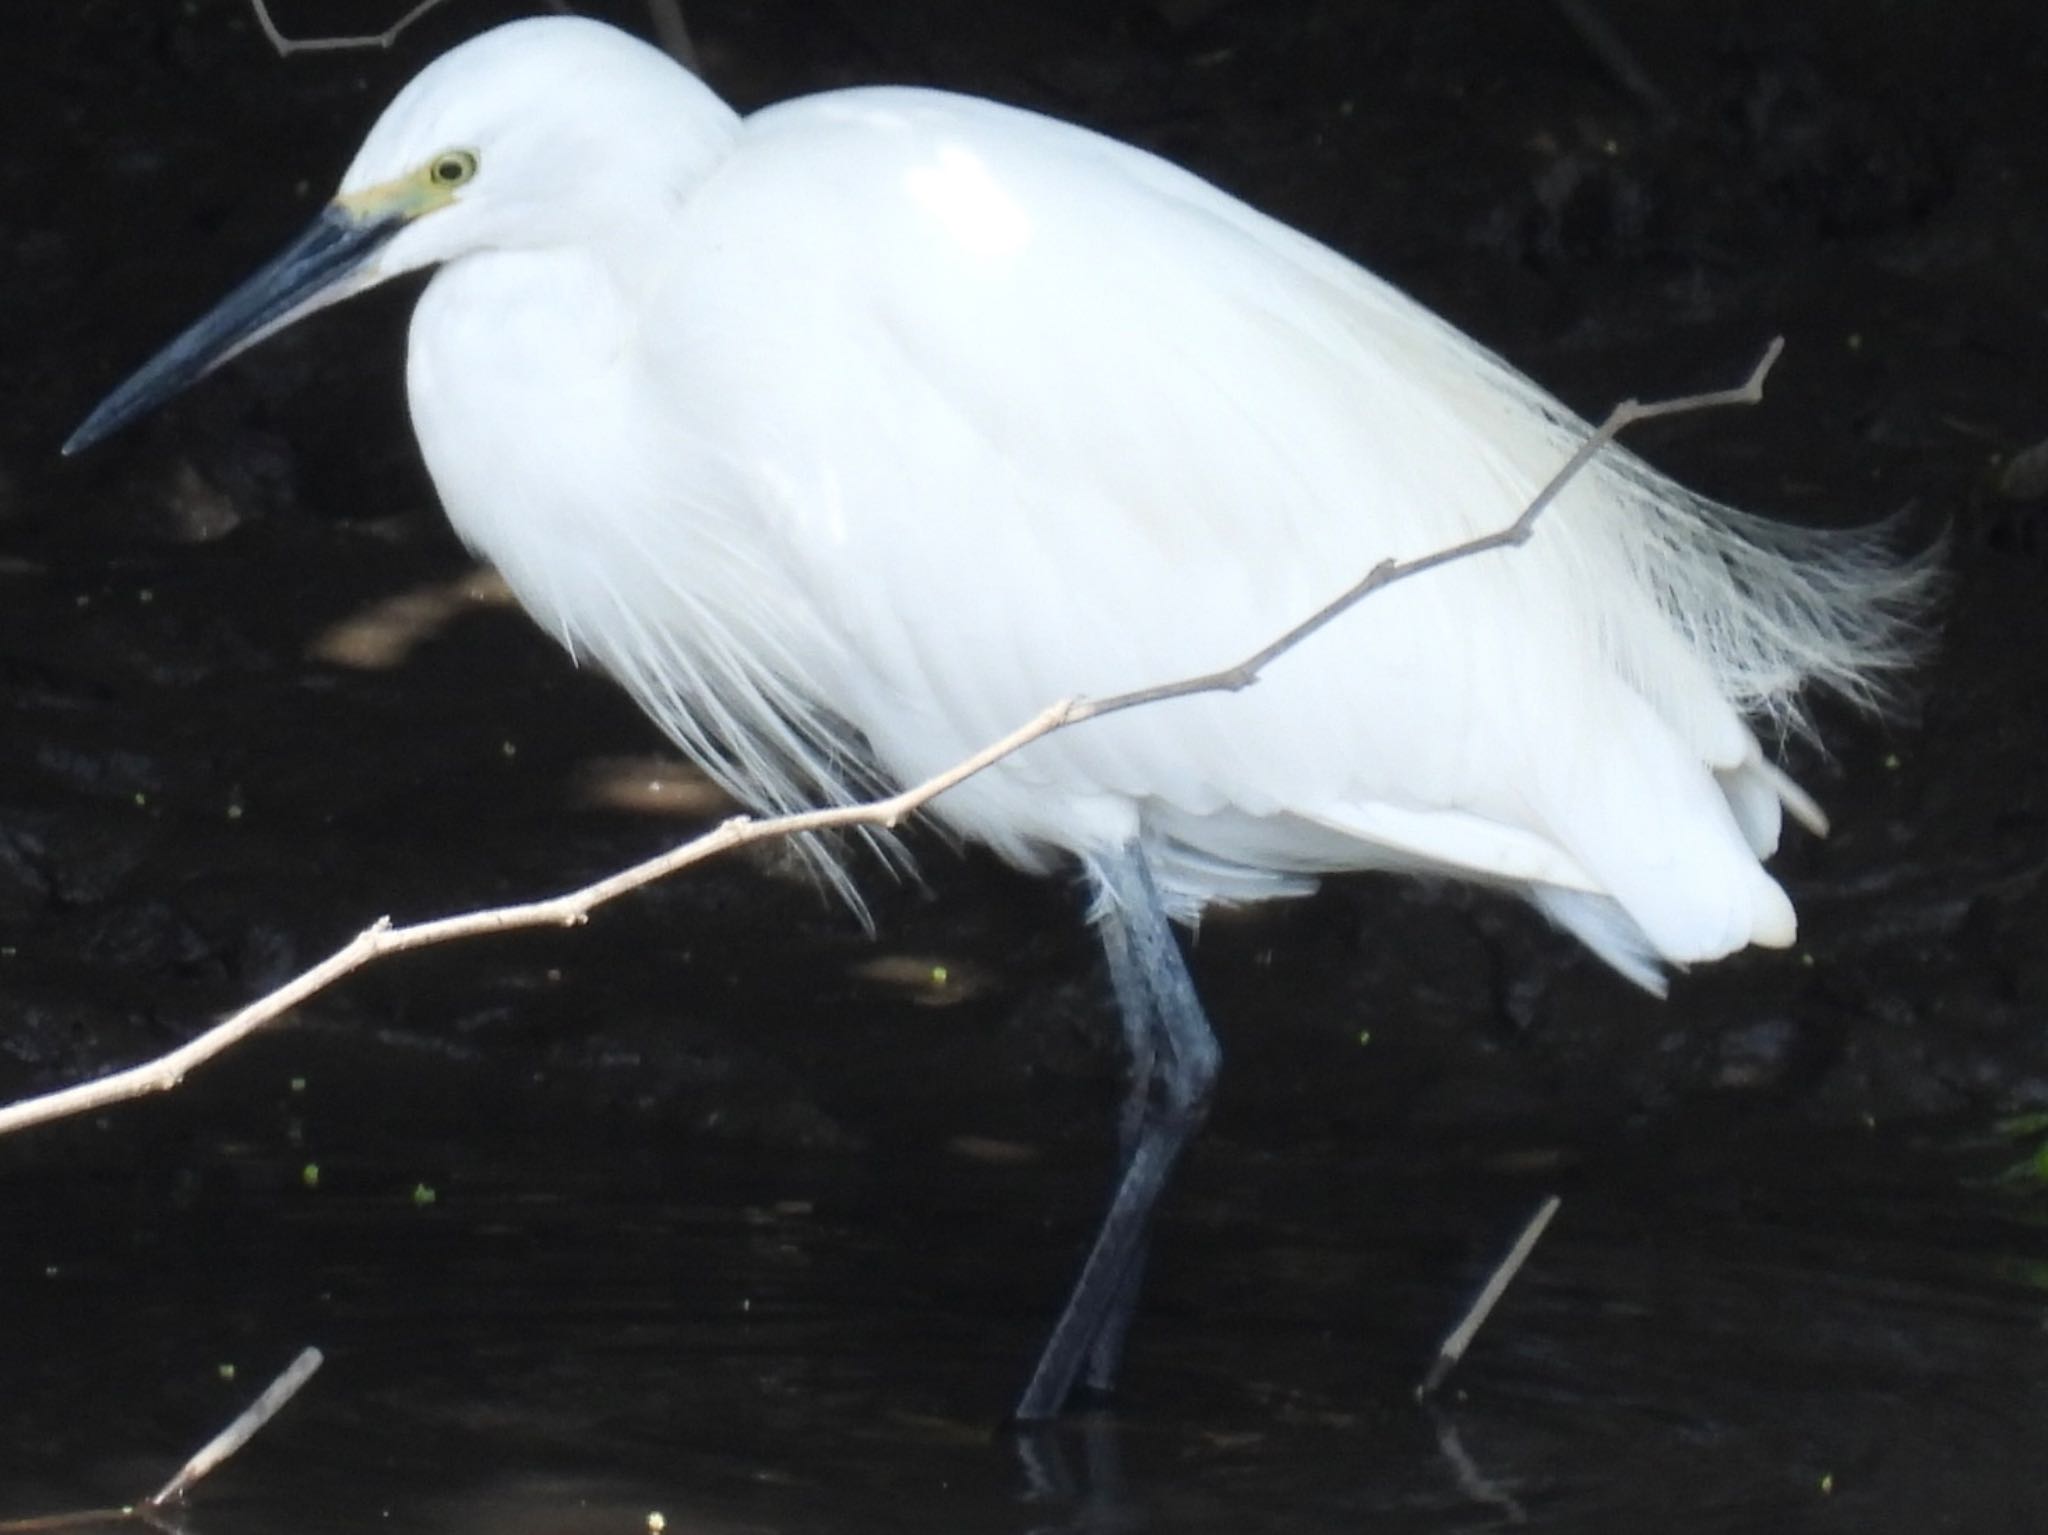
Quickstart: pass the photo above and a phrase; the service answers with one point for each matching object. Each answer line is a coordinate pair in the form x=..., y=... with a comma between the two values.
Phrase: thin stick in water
x=1453, y=1347
x=241, y=1431
x=248, y=1423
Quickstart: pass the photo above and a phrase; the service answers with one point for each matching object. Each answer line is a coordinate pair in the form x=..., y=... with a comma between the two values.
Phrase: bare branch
x=287, y=46
x=568, y=910
x=574, y=908
x=1233, y=679
x=664, y=19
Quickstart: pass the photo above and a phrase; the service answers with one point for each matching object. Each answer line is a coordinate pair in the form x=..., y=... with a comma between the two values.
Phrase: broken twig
x=248, y=1423
x=242, y=1430
x=1453, y=1348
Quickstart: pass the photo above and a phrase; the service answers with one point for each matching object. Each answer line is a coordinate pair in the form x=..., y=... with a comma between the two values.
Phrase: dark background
x=210, y=772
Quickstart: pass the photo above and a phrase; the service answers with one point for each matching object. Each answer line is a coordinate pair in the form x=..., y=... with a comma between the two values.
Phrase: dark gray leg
x=1138, y=1017
x=1141, y=1029
x=1174, y=1065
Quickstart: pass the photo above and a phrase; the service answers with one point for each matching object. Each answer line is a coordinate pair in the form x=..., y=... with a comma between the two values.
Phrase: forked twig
x=664, y=19
x=287, y=46
x=248, y=1423
x=574, y=908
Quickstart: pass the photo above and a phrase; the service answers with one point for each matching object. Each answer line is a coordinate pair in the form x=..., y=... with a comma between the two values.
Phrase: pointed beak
x=325, y=264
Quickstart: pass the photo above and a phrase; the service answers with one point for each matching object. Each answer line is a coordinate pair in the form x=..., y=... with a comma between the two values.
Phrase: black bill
x=307, y=274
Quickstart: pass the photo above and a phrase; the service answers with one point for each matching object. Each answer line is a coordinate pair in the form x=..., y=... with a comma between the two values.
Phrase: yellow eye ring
x=452, y=169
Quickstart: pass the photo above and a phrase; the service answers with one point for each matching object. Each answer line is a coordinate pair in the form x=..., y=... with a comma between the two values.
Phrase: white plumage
x=889, y=416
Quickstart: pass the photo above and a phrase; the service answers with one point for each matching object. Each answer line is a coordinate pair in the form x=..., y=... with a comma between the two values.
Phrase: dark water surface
x=1834, y=1332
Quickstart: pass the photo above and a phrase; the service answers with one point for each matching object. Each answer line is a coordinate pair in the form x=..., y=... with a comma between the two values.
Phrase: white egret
x=848, y=434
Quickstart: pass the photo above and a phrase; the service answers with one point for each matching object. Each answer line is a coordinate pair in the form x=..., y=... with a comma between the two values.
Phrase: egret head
x=542, y=132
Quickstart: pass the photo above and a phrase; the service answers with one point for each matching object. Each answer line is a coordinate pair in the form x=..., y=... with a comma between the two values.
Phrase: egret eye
x=452, y=169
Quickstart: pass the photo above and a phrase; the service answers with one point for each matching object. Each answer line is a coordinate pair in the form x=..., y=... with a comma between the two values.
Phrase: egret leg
x=1142, y=1027
x=1139, y=1018
x=1175, y=1061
